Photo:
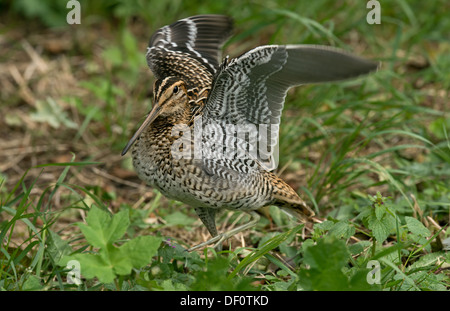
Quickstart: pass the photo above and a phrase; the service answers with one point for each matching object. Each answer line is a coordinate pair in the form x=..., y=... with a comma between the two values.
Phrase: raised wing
x=251, y=89
x=189, y=48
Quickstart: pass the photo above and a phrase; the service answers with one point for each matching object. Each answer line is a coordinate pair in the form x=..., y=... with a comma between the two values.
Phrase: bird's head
x=170, y=99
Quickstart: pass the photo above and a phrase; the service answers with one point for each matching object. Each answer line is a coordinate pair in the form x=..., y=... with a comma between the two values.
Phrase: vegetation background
x=372, y=156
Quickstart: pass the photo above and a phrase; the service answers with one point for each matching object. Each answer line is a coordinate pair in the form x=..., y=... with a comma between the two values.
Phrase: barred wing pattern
x=251, y=89
x=189, y=49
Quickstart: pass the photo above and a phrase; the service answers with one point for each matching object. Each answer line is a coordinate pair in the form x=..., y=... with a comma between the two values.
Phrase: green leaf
x=214, y=277
x=170, y=285
x=325, y=225
x=102, y=229
x=385, y=252
x=380, y=228
x=118, y=226
x=57, y=247
x=141, y=249
x=93, y=265
x=416, y=227
x=327, y=280
x=379, y=211
x=328, y=252
x=120, y=261
x=359, y=282
x=342, y=229
x=326, y=260
x=32, y=283
x=358, y=247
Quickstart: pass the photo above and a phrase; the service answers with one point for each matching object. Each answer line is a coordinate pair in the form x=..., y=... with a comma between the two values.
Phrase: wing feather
x=189, y=48
x=251, y=89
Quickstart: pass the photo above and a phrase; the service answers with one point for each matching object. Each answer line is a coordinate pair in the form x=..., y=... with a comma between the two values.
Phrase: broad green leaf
x=32, y=283
x=214, y=278
x=380, y=228
x=387, y=251
x=140, y=250
x=359, y=282
x=120, y=261
x=170, y=285
x=57, y=247
x=102, y=229
x=326, y=260
x=342, y=229
x=379, y=211
x=416, y=227
x=325, y=225
x=118, y=226
x=323, y=280
x=93, y=265
x=328, y=252
x=358, y=247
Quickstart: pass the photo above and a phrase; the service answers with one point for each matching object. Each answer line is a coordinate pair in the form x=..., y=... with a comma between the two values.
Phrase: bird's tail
x=288, y=200
x=296, y=209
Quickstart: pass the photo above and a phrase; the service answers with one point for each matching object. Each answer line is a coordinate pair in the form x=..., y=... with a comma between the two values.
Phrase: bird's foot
x=219, y=239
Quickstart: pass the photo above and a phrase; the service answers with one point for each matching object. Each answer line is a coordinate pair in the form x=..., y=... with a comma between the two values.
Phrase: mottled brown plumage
x=195, y=146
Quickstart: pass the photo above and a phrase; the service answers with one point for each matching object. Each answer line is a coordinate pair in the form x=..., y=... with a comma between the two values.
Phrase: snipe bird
x=210, y=138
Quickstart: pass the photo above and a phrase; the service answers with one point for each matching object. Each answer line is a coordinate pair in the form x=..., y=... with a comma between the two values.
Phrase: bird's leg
x=207, y=216
x=228, y=234
x=219, y=239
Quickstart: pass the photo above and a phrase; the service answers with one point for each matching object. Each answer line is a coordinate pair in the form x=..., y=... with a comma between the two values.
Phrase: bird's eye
x=175, y=89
